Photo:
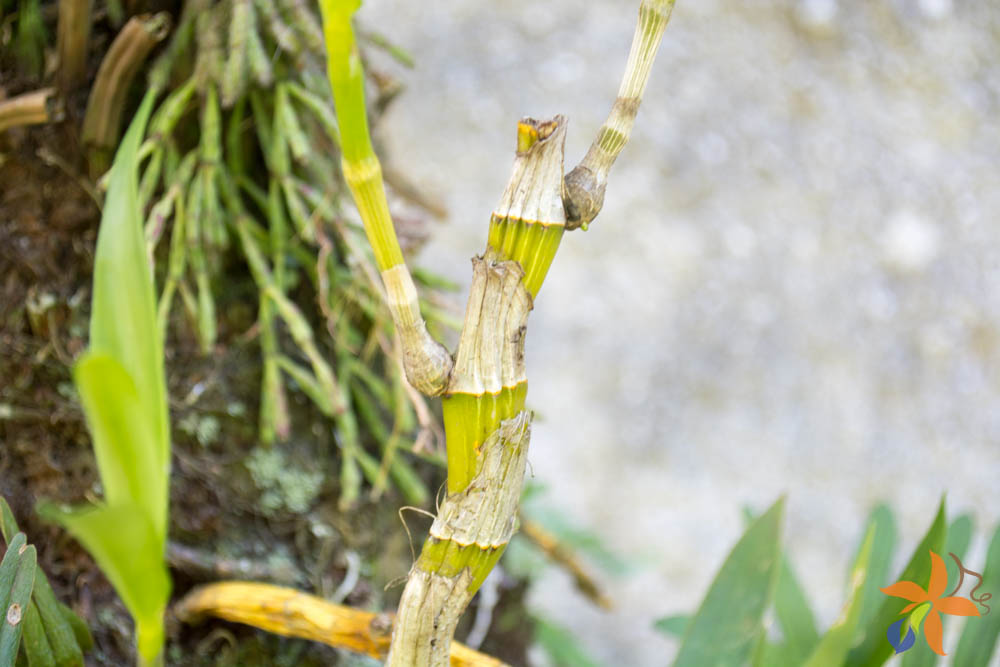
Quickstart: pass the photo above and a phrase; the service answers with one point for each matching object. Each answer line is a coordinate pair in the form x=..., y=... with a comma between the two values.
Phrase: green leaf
x=673, y=626
x=798, y=626
x=728, y=625
x=59, y=642
x=80, y=630
x=875, y=648
x=123, y=315
x=34, y=643
x=562, y=646
x=17, y=576
x=959, y=536
x=124, y=442
x=979, y=637
x=59, y=631
x=884, y=543
x=8, y=526
x=124, y=543
x=833, y=647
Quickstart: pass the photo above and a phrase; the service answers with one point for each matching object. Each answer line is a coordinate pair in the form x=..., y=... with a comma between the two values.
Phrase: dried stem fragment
x=34, y=108
x=103, y=119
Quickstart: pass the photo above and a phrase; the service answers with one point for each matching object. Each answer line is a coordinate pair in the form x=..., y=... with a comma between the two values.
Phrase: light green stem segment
x=427, y=363
x=361, y=166
x=585, y=184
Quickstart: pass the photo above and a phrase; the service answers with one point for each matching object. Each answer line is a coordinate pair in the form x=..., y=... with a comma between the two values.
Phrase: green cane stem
x=487, y=427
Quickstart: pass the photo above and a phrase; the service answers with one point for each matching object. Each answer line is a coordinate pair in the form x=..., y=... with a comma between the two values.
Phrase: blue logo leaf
x=904, y=644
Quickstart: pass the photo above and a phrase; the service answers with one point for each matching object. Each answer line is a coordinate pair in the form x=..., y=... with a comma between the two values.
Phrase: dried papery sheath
x=467, y=538
x=490, y=354
x=428, y=365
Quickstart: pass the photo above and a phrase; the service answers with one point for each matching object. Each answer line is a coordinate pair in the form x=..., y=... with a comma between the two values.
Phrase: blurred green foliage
x=758, y=580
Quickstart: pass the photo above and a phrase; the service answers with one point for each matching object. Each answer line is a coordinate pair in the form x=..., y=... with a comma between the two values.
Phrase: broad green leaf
x=959, y=536
x=123, y=438
x=728, y=625
x=562, y=646
x=884, y=544
x=674, y=626
x=875, y=648
x=123, y=315
x=833, y=647
x=796, y=618
x=979, y=637
x=124, y=543
x=798, y=625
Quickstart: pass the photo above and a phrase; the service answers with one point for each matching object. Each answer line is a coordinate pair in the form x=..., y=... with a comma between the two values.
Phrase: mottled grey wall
x=794, y=286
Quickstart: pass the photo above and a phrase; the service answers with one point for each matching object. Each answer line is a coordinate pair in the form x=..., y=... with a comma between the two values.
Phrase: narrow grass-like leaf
x=61, y=642
x=833, y=647
x=959, y=536
x=728, y=625
x=80, y=630
x=979, y=637
x=307, y=383
x=8, y=568
x=34, y=644
x=17, y=594
x=875, y=649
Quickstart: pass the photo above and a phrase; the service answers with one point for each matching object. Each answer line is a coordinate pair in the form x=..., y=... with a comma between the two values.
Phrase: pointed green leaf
x=80, y=630
x=728, y=625
x=979, y=637
x=833, y=647
x=20, y=561
x=8, y=526
x=35, y=644
x=673, y=626
x=875, y=649
x=8, y=568
x=123, y=542
x=61, y=638
x=798, y=625
x=51, y=615
x=959, y=536
x=123, y=315
x=884, y=544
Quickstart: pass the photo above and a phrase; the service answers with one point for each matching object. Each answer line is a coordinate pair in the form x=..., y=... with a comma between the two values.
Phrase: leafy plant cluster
x=757, y=582
x=240, y=159
x=35, y=628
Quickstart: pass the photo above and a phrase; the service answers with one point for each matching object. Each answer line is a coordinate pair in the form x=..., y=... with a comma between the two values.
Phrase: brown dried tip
x=531, y=131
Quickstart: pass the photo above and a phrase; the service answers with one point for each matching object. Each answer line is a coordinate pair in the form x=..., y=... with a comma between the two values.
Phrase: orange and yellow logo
x=927, y=605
